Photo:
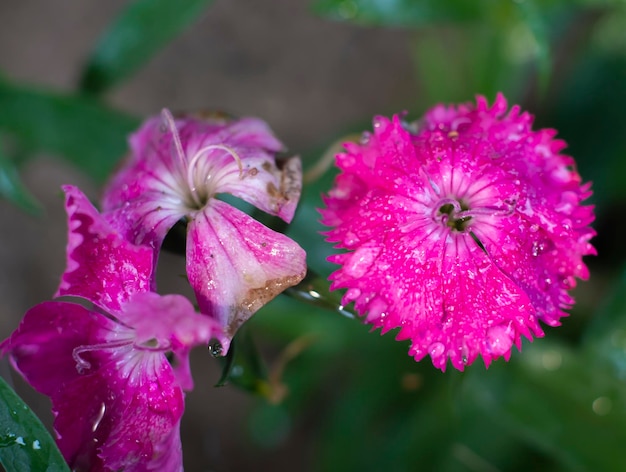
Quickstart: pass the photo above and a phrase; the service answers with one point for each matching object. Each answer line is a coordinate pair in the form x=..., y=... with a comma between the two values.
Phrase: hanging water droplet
x=499, y=340
x=215, y=348
x=361, y=260
x=376, y=310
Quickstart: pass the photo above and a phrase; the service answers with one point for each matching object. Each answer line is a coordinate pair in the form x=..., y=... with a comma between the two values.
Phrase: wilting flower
x=463, y=230
x=175, y=170
x=116, y=397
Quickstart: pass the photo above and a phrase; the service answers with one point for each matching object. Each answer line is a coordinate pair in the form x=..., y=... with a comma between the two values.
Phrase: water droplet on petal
x=376, y=310
x=98, y=418
x=352, y=294
x=499, y=340
x=215, y=348
x=436, y=350
x=361, y=260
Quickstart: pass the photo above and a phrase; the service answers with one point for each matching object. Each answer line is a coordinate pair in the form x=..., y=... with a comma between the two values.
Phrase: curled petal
x=236, y=265
x=170, y=322
x=115, y=407
x=101, y=266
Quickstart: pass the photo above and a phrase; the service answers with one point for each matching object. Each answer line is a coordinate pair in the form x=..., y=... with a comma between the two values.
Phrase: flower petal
x=463, y=234
x=236, y=265
x=116, y=407
x=172, y=323
x=101, y=266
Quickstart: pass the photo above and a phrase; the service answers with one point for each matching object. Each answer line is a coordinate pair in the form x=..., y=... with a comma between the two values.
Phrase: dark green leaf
x=399, y=12
x=12, y=189
x=24, y=442
x=314, y=290
x=605, y=339
x=557, y=401
x=86, y=133
x=537, y=23
x=243, y=365
x=140, y=30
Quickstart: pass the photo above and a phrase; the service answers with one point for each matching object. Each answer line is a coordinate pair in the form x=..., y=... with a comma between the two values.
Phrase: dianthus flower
x=463, y=230
x=117, y=399
x=175, y=170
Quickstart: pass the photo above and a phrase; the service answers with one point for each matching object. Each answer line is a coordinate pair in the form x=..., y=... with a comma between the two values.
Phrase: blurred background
x=312, y=389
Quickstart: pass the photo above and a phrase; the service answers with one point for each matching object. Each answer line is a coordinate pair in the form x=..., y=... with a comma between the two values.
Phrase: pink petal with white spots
x=463, y=234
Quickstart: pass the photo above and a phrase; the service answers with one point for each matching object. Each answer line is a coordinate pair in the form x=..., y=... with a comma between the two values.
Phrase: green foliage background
x=558, y=406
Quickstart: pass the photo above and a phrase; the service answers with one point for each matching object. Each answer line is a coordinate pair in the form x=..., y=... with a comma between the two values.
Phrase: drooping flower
x=176, y=169
x=117, y=399
x=463, y=230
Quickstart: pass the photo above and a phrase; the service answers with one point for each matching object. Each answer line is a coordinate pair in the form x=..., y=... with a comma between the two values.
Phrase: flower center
x=454, y=214
x=198, y=172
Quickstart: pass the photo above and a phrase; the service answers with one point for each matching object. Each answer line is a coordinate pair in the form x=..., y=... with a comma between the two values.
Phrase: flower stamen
x=82, y=365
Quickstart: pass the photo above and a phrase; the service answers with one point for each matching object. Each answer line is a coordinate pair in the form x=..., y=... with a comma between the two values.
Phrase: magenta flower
x=117, y=400
x=463, y=230
x=176, y=168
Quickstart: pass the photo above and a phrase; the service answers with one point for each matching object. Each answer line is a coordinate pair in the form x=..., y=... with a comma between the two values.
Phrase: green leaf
x=24, y=442
x=399, y=12
x=140, y=30
x=558, y=401
x=314, y=290
x=243, y=365
x=605, y=339
x=83, y=131
x=12, y=189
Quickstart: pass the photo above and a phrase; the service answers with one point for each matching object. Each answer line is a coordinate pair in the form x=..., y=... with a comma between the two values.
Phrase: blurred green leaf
x=589, y=114
x=537, y=23
x=12, y=189
x=314, y=290
x=559, y=402
x=85, y=132
x=140, y=30
x=605, y=338
x=243, y=365
x=399, y=12
x=24, y=442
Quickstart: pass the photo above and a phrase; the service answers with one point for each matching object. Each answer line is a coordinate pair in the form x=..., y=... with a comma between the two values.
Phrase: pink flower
x=116, y=398
x=463, y=231
x=176, y=168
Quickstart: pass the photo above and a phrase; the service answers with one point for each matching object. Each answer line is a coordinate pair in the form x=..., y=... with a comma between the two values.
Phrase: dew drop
x=20, y=440
x=436, y=350
x=350, y=239
x=36, y=444
x=499, y=340
x=99, y=417
x=352, y=294
x=376, y=310
x=361, y=261
x=215, y=348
